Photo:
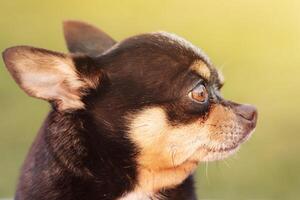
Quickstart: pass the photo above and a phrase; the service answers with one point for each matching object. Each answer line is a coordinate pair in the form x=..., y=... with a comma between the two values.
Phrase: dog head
x=157, y=90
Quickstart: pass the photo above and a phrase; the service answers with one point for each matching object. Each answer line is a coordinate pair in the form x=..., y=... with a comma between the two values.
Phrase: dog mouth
x=222, y=150
x=213, y=154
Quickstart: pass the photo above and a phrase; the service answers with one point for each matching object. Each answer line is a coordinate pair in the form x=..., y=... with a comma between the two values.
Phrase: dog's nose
x=247, y=112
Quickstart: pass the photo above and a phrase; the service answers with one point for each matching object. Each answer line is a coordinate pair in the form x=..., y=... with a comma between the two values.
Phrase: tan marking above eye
x=220, y=77
x=202, y=69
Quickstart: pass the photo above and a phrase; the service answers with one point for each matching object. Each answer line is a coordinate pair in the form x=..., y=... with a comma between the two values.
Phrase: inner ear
x=52, y=76
x=86, y=39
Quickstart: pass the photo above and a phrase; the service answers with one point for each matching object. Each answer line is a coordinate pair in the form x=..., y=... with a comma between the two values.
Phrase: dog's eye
x=199, y=94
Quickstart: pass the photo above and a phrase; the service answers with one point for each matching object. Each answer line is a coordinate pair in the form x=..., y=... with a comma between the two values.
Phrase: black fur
x=85, y=154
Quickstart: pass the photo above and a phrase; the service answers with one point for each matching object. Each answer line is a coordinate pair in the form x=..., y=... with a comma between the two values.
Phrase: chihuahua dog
x=129, y=120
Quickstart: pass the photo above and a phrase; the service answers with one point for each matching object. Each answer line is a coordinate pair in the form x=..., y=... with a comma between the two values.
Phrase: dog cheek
x=221, y=124
x=157, y=140
x=147, y=129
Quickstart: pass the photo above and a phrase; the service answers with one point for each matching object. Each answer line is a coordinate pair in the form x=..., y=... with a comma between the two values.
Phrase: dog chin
x=220, y=153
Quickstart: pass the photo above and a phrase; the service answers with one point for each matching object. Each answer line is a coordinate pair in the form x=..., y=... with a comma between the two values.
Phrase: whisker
x=227, y=164
x=210, y=125
x=173, y=155
x=143, y=125
x=206, y=172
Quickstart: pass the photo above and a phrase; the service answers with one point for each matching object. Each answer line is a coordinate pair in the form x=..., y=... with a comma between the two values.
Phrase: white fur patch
x=137, y=195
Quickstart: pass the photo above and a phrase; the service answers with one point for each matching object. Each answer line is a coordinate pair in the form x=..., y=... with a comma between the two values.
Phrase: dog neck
x=104, y=163
x=89, y=152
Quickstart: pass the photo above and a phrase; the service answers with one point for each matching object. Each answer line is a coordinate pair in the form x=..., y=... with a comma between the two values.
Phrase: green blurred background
x=256, y=43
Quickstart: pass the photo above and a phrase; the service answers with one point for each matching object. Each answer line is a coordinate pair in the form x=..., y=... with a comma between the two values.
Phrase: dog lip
x=233, y=146
x=223, y=149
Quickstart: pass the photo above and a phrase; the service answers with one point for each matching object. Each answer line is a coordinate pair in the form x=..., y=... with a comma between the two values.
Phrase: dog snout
x=247, y=112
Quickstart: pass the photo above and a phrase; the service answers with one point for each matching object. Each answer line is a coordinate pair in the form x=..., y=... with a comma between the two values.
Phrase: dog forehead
x=200, y=64
x=182, y=43
x=160, y=52
x=163, y=42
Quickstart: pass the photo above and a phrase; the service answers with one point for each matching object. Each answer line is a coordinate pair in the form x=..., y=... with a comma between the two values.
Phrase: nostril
x=247, y=112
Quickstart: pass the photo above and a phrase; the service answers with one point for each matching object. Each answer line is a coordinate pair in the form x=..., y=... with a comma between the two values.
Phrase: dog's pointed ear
x=85, y=38
x=55, y=77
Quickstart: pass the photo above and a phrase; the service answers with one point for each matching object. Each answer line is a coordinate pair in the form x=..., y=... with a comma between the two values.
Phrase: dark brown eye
x=199, y=94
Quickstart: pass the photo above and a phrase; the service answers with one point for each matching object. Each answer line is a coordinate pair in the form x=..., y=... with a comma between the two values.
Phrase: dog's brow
x=202, y=69
x=220, y=77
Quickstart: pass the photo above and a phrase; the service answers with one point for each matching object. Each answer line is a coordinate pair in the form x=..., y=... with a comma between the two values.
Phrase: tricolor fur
x=124, y=123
